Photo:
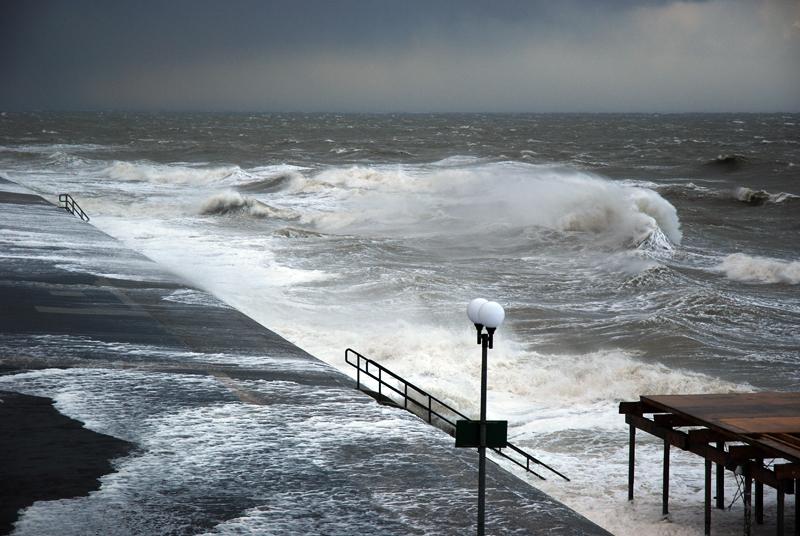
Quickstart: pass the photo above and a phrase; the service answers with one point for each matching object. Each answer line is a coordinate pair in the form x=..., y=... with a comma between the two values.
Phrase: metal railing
x=428, y=407
x=66, y=202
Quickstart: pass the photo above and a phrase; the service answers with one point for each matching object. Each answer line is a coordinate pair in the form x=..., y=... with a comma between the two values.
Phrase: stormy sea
x=634, y=254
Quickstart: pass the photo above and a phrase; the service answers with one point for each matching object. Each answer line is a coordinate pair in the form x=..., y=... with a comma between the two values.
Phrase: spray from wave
x=480, y=199
x=752, y=269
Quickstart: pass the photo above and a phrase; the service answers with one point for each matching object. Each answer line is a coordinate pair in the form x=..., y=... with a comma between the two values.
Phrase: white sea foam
x=753, y=269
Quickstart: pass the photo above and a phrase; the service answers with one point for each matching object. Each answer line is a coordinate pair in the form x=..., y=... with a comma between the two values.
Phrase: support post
x=482, y=447
x=779, y=513
x=631, y=460
x=748, y=503
x=721, y=479
x=759, y=498
x=665, y=483
x=797, y=507
x=707, y=505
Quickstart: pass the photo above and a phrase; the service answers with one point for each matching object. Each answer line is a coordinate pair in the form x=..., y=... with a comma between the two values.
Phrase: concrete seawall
x=237, y=431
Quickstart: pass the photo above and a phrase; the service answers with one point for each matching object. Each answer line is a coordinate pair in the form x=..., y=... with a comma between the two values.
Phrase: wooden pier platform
x=738, y=432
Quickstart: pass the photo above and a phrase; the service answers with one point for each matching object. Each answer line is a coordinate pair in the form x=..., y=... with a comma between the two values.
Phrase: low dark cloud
x=447, y=55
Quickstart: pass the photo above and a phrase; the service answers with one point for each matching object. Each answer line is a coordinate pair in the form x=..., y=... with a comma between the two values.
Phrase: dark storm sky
x=401, y=55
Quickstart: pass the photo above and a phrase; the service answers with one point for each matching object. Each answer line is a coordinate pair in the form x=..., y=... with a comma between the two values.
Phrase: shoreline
x=47, y=455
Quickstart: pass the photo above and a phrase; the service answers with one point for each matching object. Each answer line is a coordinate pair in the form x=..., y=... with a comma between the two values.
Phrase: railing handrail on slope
x=72, y=207
x=429, y=409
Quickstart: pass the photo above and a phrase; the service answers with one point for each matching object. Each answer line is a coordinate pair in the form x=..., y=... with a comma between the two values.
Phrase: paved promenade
x=234, y=429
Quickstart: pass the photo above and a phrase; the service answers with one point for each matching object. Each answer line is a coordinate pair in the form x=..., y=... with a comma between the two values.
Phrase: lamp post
x=489, y=315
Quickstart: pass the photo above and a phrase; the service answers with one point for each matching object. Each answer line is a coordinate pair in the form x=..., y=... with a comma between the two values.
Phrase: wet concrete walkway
x=237, y=430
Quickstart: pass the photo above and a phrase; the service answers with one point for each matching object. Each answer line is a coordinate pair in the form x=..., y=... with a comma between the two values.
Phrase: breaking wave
x=479, y=198
x=235, y=203
x=127, y=171
x=761, y=197
x=751, y=269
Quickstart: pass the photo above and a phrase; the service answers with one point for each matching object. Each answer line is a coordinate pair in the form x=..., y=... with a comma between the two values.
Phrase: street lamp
x=489, y=315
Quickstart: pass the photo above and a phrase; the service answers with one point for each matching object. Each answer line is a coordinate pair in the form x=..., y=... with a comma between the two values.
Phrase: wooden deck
x=737, y=432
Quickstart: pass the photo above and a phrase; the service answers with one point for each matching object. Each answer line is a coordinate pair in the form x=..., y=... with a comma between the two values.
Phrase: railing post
x=358, y=371
x=430, y=418
x=405, y=395
x=380, y=380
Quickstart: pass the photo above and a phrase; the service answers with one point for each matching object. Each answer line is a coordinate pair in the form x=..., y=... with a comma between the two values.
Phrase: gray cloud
x=402, y=56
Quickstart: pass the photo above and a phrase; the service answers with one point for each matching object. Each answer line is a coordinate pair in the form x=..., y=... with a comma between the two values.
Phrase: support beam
x=797, y=507
x=721, y=479
x=748, y=503
x=707, y=504
x=779, y=514
x=665, y=483
x=672, y=421
x=759, y=497
x=631, y=460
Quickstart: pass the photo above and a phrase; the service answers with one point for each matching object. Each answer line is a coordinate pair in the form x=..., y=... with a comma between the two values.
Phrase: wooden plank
x=675, y=438
x=672, y=421
x=787, y=471
x=632, y=408
x=704, y=436
x=733, y=413
x=765, y=425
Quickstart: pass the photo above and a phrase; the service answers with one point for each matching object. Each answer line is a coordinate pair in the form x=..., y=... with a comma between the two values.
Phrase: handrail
x=429, y=408
x=72, y=207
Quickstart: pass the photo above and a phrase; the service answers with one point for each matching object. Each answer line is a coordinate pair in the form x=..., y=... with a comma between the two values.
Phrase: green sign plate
x=468, y=434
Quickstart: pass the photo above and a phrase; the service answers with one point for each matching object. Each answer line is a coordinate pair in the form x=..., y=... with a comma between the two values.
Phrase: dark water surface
x=634, y=253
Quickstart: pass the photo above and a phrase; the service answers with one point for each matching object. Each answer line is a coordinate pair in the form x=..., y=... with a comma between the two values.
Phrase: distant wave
x=270, y=184
x=294, y=232
x=762, y=197
x=729, y=161
x=751, y=269
x=235, y=203
x=130, y=171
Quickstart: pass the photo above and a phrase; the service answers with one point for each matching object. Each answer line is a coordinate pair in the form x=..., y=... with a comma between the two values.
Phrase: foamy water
x=640, y=274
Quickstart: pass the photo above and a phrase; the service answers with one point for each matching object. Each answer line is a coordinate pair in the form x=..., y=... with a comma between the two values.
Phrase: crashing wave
x=476, y=199
x=235, y=203
x=271, y=184
x=753, y=269
x=761, y=197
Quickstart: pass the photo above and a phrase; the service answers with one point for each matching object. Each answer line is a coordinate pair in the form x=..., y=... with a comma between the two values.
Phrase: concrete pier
x=236, y=430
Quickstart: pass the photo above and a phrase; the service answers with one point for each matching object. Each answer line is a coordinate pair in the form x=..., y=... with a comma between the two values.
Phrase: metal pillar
x=779, y=514
x=759, y=498
x=748, y=503
x=721, y=479
x=665, y=483
x=707, y=504
x=797, y=507
x=482, y=447
x=631, y=459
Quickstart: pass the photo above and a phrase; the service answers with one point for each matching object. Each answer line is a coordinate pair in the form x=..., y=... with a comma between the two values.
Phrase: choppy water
x=634, y=253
